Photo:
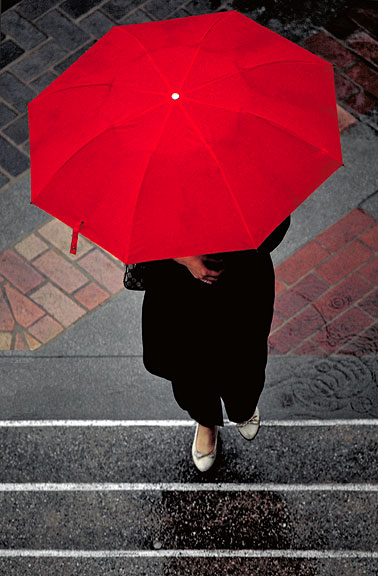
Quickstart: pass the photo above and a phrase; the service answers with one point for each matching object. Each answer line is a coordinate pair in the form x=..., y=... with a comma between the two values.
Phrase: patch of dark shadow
x=293, y=19
x=229, y=520
x=237, y=566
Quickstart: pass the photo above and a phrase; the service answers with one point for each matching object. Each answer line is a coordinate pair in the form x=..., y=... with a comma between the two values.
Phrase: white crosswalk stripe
x=185, y=423
x=189, y=553
x=180, y=487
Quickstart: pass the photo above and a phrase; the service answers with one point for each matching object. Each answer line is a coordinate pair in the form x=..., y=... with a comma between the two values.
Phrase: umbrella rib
x=149, y=55
x=275, y=124
x=96, y=136
x=198, y=48
x=170, y=108
x=248, y=68
x=50, y=92
x=212, y=153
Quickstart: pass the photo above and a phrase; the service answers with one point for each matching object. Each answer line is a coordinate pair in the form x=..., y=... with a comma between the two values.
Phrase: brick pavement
x=45, y=289
x=327, y=297
x=326, y=292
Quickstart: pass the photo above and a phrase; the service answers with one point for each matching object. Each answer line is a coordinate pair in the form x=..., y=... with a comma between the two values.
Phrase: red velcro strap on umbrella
x=75, y=234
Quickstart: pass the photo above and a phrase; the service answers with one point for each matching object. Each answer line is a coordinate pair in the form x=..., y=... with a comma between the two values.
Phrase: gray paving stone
x=43, y=81
x=3, y=179
x=164, y=10
x=66, y=33
x=191, y=520
x=370, y=205
x=181, y=13
x=18, y=131
x=197, y=7
x=25, y=34
x=278, y=455
x=37, y=61
x=75, y=9
x=11, y=159
x=32, y=10
x=26, y=147
x=188, y=566
x=372, y=117
x=96, y=24
x=122, y=313
x=137, y=17
x=64, y=64
x=18, y=217
x=15, y=92
x=118, y=9
x=9, y=52
x=6, y=114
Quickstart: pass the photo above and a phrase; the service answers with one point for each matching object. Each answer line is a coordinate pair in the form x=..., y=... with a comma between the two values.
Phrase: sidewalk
x=45, y=289
x=70, y=350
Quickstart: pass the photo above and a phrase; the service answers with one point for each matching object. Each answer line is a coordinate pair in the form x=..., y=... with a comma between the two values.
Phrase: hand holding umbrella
x=198, y=267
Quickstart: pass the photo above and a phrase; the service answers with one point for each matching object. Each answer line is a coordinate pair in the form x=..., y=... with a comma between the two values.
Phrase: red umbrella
x=184, y=136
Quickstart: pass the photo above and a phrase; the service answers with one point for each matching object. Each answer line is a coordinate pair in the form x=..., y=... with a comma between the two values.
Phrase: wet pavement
x=188, y=566
x=96, y=475
x=190, y=520
x=328, y=453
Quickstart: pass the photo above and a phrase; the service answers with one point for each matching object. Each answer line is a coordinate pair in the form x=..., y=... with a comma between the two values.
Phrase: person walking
x=205, y=326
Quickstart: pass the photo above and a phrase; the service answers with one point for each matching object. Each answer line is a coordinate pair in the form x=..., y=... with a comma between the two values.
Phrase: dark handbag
x=135, y=276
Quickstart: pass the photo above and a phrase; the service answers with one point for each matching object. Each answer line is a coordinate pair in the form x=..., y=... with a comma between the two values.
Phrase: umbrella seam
x=48, y=92
x=198, y=48
x=321, y=63
x=112, y=83
x=190, y=65
x=275, y=124
x=143, y=180
x=236, y=203
x=149, y=56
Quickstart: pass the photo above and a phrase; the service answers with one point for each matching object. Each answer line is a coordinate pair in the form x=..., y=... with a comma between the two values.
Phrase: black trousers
x=211, y=341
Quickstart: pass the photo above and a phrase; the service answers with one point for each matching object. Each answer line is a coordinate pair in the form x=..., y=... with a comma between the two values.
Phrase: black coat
x=217, y=331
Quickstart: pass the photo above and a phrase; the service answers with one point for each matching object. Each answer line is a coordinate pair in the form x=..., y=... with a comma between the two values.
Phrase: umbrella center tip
x=175, y=96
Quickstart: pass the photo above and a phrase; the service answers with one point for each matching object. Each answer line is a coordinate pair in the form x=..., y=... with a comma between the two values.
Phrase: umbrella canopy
x=185, y=136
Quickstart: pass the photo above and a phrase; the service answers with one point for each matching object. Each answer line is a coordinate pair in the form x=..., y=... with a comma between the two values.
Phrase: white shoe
x=249, y=428
x=204, y=461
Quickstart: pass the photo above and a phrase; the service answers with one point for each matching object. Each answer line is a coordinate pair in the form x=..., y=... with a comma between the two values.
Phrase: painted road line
x=184, y=423
x=183, y=487
x=188, y=553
